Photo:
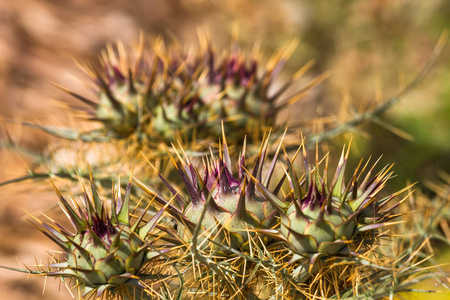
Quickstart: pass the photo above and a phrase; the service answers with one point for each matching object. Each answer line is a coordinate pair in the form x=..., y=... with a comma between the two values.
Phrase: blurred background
x=372, y=49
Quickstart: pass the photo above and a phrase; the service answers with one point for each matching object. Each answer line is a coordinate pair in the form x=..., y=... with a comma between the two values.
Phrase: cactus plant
x=154, y=95
x=313, y=220
x=108, y=254
x=326, y=219
x=227, y=235
x=231, y=201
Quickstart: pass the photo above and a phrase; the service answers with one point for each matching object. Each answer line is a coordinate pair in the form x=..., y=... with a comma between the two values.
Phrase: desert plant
x=158, y=94
x=231, y=222
x=108, y=254
x=252, y=233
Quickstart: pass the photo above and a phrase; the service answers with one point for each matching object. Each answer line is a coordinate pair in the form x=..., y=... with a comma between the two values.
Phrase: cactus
x=247, y=233
x=107, y=254
x=314, y=220
x=232, y=203
x=157, y=95
x=322, y=219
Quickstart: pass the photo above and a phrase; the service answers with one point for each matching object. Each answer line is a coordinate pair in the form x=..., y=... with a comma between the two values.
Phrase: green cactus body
x=321, y=220
x=122, y=119
x=312, y=233
x=231, y=204
x=106, y=254
x=232, y=88
x=107, y=262
x=159, y=95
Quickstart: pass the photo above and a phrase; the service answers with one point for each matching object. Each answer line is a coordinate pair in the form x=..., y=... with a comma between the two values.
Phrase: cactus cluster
x=166, y=93
x=259, y=224
x=311, y=220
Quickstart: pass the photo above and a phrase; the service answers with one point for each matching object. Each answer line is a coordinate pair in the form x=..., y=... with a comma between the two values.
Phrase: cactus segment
x=106, y=253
